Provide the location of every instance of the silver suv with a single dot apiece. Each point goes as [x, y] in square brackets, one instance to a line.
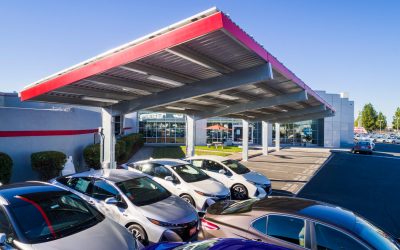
[149, 211]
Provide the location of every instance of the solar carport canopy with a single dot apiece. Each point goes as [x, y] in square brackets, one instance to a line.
[204, 66]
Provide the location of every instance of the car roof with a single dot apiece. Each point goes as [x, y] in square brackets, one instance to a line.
[311, 209]
[209, 157]
[164, 161]
[10, 191]
[113, 175]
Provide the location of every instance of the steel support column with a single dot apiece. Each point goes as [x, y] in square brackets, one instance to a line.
[277, 137]
[245, 140]
[190, 135]
[265, 135]
[108, 140]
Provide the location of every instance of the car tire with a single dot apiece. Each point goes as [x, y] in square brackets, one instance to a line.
[188, 199]
[239, 192]
[138, 233]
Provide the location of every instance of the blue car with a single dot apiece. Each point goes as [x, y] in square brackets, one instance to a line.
[216, 244]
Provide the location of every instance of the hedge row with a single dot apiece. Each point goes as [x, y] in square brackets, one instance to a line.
[6, 165]
[124, 149]
[48, 163]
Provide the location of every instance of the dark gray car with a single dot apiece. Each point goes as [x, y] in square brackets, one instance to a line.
[36, 215]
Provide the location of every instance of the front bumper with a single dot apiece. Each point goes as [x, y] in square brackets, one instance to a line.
[263, 191]
[184, 232]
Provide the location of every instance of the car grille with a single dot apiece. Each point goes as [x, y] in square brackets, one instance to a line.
[184, 229]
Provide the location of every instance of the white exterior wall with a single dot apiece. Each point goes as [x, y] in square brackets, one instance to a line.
[338, 130]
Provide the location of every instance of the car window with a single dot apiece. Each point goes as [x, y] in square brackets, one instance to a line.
[197, 163]
[102, 190]
[287, 228]
[161, 171]
[143, 191]
[328, 238]
[147, 168]
[260, 225]
[212, 166]
[80, 184]
[5, 227]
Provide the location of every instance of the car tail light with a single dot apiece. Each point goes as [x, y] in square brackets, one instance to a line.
[208, 225]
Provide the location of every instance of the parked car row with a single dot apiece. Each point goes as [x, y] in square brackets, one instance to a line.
[157, 201]
[378, 138]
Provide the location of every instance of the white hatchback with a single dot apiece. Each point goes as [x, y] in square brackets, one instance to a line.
[242, 182]
[184, 180]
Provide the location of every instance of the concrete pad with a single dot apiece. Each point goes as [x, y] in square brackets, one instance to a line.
[289, 169]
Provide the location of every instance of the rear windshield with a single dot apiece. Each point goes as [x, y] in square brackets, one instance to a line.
[376, 237]
[240, 206]
[49, 216]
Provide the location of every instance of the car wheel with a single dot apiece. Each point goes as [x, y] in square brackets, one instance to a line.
[239, 192]
[188, 199]
[138, 233]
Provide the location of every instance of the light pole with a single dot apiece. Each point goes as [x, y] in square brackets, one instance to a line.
[397, 123]
[380, 126]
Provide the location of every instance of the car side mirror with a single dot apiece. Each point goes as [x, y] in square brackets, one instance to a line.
[222, 171]
[112, 201]
[169, 178]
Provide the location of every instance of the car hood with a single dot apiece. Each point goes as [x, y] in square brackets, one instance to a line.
[172, 210]
[104, 235]
[210, 186]
[256, 178]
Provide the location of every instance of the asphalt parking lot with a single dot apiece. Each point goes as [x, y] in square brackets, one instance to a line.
[368, 185]
[289, 169]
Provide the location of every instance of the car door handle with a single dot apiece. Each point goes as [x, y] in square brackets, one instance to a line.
[90, 202]
[256, 239]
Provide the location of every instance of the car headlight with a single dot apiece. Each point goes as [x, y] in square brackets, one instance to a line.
[161, 223]
[205, 194]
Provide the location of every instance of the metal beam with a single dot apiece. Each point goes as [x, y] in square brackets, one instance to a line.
[245, 140]
[257, 104]
[199, 59]
[68, 100]
[124, 83]
[190, 135]
[199, 88]
[313, 116]
[289, 114]
[277, 137]
[97, 93]
[108, 143]
[265, 135]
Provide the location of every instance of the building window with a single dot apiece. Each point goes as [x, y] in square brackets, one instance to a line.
[118, 125]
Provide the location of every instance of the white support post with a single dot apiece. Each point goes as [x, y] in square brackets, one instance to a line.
[277, 137]
[190, 135]
[265, 135]
[245, 140]
[108, 145]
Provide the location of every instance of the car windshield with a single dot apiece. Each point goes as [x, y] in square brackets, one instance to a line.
[49, 216]
[190, 173]
[376, 237]
[236, 166]
[143, 191]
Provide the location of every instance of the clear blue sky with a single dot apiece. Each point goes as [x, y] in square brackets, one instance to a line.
[335, 46]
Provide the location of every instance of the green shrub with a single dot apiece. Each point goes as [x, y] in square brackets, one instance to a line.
[91, 155]
[48, 163]
[6, 164]
[124, 149]
[120, 149]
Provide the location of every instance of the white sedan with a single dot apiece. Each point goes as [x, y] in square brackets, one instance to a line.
[184, 180]
[242, 182]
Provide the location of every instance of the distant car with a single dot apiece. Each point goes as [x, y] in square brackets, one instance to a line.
[136, 202]
[242, 182]
[36, 215]
[362, 147]
[371, 141]
[217, 244]
[185, 180]
[294, 223]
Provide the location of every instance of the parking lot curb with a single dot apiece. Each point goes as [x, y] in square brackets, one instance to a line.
[316, 172]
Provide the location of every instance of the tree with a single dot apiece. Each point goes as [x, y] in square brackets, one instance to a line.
[356, 121]
[396, 119]
[381, 122]
[369, 117]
